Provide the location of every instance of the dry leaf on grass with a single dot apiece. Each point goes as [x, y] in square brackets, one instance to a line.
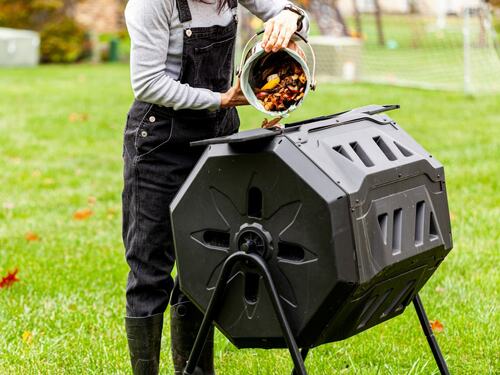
[78, 117]
[436, 326]
[48, 181]
[83, 214]
[9, 205]
[440, 289]
[91, 200]
[8, 280]
[32, 237]
[27, 337]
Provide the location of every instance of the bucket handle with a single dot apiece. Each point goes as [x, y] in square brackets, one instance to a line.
[246, 50]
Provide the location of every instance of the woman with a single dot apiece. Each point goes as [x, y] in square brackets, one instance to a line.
[181, 71]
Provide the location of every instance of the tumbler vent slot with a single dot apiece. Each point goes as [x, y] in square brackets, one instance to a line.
[255, 202]
[216, 238]
[397, 303]
[361, 154]
[433, 232]
[397, 231]
[419, 223]
[288, 251]
[341, 150]
[251, 287]
[384, 148]
[374, 306]
[382, 222]
[403, 150]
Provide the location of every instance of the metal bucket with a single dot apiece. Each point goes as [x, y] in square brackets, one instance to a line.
[252, 56]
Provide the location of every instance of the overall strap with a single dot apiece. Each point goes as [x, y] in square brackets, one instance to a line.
[184, 11]
[233, 4]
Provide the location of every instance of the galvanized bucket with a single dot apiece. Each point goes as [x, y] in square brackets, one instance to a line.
[252, 55]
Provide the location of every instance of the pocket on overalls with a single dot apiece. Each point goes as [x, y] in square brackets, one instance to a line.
[154, 132]
[213, 65]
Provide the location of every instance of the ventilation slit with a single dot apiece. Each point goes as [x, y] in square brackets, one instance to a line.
[397, 300]
[384, 148]
[361, 154]
[403, 150]
[397, 230]
[382, 222]
[288, 251]
[251, 287]
[419, 223]
[216, 238]
[433, 232]
[373, 309]
[255, 202]
[341, 150]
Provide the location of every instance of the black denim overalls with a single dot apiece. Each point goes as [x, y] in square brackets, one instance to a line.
[158, 158]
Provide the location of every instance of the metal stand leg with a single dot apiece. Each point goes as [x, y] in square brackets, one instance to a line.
[215, 305]
[303, 354]
[431, 339]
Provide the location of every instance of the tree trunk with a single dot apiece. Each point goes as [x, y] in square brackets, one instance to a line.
[328, 17]
[378, 18]
[357, 18]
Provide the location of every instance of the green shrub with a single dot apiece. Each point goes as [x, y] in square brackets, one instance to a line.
[62, 41]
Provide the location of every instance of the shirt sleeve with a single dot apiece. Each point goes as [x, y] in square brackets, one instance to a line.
[148, 25]
[267, 9]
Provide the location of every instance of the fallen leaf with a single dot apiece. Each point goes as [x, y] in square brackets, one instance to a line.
[27, 337]
[32, 237]
[48, 181]
[9, 205]
[91, 200]
[78, 117]
[36, 173]
[8, 280]
[436, 326]
[83, 214]
[440, 289]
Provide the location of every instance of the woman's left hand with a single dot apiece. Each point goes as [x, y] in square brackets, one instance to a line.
[279, 30]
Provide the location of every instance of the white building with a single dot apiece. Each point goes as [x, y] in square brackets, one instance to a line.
[19, 47]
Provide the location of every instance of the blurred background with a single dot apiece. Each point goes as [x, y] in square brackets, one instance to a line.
[65, 92]
[436, 44]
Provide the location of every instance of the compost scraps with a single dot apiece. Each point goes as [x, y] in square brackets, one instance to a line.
[279, 82]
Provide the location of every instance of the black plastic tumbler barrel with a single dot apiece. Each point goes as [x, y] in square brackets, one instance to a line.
[348, 211]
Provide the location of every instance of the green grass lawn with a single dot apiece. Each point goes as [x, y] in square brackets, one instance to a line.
[60, 151]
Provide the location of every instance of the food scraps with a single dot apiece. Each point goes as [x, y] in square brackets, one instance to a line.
[279, 82]
[273, 124]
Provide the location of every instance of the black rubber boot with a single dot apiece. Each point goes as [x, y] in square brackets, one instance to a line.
[185, 321]
[144, 342]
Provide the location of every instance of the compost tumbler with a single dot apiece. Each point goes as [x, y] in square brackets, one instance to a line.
[348, 213]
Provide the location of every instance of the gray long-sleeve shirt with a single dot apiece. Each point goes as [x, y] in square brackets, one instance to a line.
[157, 43]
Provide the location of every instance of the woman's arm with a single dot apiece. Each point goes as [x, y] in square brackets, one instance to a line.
[148, 26]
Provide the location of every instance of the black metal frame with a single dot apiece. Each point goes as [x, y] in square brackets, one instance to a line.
[298, 356]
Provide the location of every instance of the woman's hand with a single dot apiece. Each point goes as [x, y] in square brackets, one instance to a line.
[233, 97]
[279, 31]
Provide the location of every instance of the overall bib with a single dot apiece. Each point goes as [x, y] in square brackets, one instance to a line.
[157, 160]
